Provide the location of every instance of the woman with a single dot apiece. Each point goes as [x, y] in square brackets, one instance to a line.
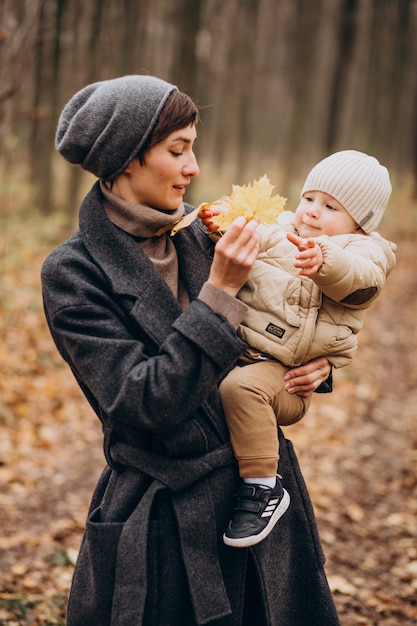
[147, 322]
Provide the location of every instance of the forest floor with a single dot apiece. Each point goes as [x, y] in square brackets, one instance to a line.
[357, 448]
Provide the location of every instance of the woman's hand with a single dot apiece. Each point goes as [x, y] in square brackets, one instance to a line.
[234, 256]
[306, 378]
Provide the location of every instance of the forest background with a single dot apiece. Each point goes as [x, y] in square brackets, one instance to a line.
[280, 84]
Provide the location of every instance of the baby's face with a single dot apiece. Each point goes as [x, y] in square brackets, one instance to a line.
[320, 214]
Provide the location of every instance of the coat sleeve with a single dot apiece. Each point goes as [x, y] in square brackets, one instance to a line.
[354, 270]
[154, 383]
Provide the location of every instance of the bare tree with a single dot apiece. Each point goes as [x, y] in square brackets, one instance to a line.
[280, 83]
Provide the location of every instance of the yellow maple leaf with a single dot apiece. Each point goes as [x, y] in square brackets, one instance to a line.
[252, 201]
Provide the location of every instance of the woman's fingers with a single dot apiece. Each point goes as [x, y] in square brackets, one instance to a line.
[306, 378]
[234, 255]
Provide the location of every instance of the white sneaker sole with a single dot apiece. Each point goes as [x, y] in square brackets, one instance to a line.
[247, 542]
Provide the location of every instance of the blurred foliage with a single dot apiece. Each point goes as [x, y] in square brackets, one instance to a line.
[280, 83]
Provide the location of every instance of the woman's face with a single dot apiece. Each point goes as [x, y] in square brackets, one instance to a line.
[161, 182]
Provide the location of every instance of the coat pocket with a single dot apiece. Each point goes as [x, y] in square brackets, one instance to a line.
[93, 582]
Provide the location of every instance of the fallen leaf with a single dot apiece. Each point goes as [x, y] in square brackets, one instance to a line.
[340, 584]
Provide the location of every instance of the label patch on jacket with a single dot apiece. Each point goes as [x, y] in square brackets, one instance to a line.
[277, 331]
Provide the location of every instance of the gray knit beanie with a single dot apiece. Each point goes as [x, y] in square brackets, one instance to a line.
[358, 181]
[104, 125]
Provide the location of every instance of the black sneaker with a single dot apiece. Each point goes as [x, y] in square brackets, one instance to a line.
[257, 510]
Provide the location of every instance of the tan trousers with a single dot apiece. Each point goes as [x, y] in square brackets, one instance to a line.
[255, 402]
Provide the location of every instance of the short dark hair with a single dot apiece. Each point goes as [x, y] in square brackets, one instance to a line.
[179, 111]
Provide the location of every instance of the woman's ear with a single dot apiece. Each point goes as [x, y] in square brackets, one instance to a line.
[128, 169]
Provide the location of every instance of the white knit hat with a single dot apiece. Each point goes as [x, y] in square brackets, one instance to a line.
[358, 181]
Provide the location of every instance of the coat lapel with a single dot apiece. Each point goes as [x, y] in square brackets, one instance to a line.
[195, 254]
[131, 273]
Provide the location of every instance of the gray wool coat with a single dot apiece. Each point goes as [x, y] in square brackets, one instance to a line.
[152, 552]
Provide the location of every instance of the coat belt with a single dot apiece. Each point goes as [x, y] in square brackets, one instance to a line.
[196, 531]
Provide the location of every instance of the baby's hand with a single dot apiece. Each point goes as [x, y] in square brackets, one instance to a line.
[207, 212]
[310, 257]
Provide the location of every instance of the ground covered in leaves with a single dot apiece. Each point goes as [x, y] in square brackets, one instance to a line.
[357, 449]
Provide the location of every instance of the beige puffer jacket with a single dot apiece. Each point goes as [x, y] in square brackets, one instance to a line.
[295, 318]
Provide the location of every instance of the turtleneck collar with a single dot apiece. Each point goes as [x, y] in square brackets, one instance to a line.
[136, 219]
[143, 223]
